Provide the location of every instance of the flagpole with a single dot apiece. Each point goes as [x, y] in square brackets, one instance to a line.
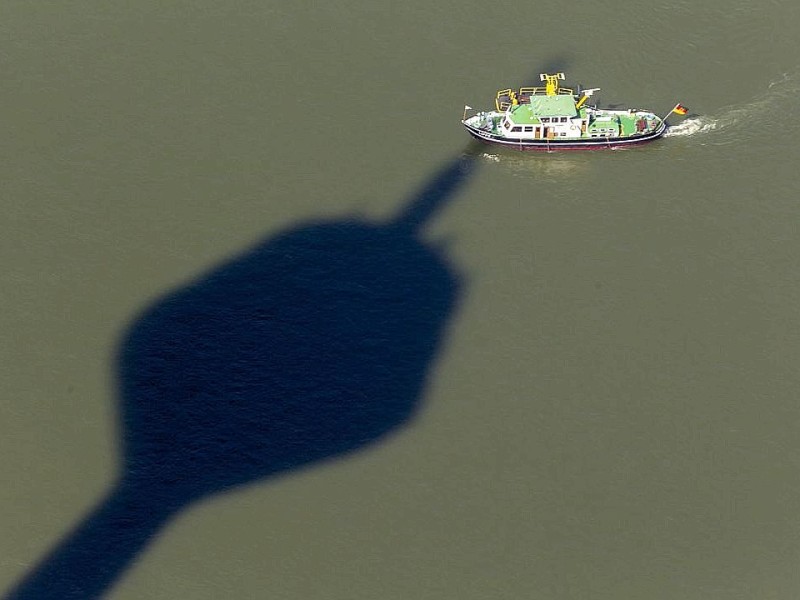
[664, 120]
[466, 108]
[674, 108]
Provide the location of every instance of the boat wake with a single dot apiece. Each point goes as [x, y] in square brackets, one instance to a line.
[762, 111]
[560, 168]
[691, 126]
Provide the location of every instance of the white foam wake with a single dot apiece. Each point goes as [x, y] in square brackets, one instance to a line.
[761, 112]
[691, 126]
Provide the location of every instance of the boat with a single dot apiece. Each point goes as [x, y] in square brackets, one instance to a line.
[553, 118]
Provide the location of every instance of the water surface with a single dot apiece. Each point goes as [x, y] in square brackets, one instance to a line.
[612, 412]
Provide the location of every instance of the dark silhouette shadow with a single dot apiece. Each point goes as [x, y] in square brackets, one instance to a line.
[313, 344]
[556, 64]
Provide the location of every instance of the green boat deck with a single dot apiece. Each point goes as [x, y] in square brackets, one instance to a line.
[551, 106]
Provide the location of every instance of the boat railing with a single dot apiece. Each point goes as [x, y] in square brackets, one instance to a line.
[505, 98]
[533, 91]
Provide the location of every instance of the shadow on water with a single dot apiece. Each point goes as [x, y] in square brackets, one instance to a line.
[313, 344]
[555, 64]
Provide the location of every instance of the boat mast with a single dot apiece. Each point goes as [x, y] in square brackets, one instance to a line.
[551, 85]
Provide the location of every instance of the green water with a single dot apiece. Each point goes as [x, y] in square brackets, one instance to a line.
[614, 413]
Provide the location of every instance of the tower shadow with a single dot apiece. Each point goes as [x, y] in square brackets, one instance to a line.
[313, 344]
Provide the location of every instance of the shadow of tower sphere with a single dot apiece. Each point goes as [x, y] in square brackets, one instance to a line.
[311, 345]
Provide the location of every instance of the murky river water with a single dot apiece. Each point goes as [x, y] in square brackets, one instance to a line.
[609, 407]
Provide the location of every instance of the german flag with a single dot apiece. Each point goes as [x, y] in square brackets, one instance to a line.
[680, 109]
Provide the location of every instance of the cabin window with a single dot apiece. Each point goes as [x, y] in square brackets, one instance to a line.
[563, 119]
[517, 129]
[506, 124]
[563, 133]
[545, 119]
[529, 129]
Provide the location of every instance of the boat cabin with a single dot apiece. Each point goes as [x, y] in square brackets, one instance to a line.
[604, 126]
[544, 117]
